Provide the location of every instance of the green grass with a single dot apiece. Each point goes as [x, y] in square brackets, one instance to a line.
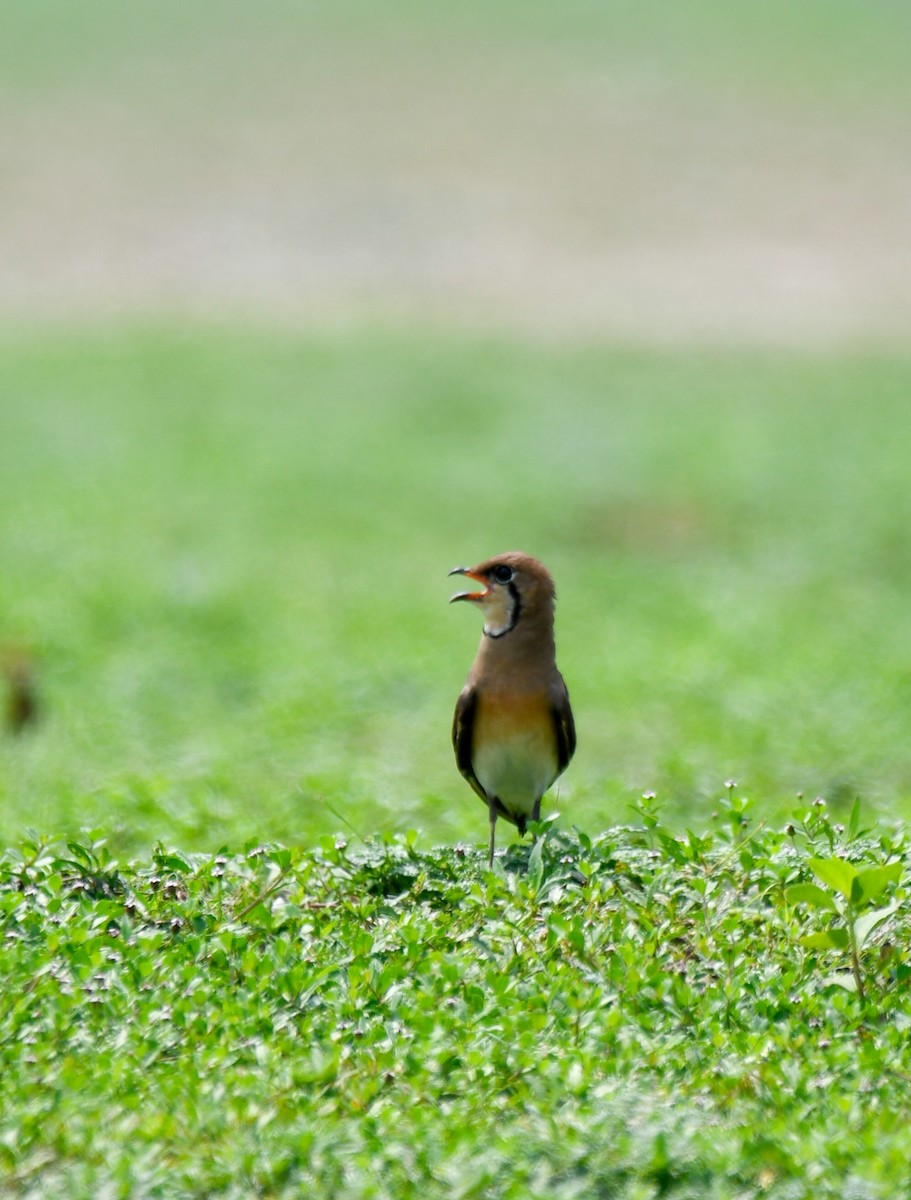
[635, 1015]
[228, 555]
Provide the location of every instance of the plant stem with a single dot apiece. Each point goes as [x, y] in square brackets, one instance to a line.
[264, 895]
[855, 958]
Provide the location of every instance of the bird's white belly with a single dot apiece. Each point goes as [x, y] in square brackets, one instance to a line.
[517, 770]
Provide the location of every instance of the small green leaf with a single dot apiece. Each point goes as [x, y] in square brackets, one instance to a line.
[536, 865]
[865, 925]
[873, 882]
[842, 979]
[854, 820]
[831, 939]
[810, 893]
[80, 853]
[172, 861]
[836, 873]
[660, 1157]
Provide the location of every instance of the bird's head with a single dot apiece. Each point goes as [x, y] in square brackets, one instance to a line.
[517, 588]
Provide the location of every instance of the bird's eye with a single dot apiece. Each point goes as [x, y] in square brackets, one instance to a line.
[502, 574]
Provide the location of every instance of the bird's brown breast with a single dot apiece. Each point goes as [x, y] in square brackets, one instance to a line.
[514, 747]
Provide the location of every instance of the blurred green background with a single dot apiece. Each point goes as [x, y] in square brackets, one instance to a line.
[303, 307]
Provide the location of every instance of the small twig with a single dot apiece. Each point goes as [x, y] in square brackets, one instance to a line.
[343, 819]
[743, 841]
[276, 883]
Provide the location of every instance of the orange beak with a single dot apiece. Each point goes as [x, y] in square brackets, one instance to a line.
[477, 597]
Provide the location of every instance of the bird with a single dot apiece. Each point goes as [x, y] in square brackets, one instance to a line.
[513, 731]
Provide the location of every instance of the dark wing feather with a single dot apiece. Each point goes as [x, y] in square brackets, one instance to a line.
[564, 728]
[463, 734]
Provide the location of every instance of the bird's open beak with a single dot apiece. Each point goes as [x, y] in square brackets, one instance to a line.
[476, 596]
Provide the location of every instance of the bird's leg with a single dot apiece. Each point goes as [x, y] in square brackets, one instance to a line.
[536, 816]
[492, 810]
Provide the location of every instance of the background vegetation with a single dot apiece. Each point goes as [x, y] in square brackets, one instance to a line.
[228, 554]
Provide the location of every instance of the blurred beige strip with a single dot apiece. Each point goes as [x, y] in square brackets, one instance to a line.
[343, 180]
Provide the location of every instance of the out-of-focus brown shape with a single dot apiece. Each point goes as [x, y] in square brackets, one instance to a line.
[22, 706]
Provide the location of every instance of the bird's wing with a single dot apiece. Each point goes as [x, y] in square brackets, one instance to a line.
[462, 735]
[564, 726]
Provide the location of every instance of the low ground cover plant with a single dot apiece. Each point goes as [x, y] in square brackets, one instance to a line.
[635, 1014]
